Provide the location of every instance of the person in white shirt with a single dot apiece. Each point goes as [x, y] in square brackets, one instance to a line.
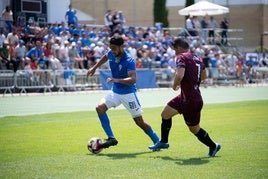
[20, 51]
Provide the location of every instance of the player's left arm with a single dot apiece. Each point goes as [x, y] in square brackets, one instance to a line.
[178, 77]
[131, 79]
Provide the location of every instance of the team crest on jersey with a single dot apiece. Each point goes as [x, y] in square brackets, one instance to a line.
[120, 67]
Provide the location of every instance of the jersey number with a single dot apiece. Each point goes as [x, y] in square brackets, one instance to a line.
[198, 71]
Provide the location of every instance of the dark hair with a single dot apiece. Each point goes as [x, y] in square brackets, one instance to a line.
[178, 42]
[117, 40]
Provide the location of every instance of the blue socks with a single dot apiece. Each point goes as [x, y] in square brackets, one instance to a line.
[105, 122]
[152, 135]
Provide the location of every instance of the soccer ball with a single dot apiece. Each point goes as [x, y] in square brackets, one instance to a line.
[94, 145]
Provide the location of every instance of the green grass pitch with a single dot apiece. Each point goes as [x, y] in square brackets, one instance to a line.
[54, 145]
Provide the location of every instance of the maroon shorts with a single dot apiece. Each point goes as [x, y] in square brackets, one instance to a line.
[190, 109]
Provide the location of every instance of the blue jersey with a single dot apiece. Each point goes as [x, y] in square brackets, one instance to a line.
[120, 69]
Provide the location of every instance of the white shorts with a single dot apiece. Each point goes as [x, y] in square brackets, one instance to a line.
[130, 101]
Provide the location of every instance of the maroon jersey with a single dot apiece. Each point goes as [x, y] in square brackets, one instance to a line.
[189, 102]
[192, 76]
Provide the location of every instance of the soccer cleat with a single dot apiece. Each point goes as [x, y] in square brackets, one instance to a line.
[212, 152]
[109, 142]
[159, 145]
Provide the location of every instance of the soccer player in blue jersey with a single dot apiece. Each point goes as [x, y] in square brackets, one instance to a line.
[123, 70]
[189, 74]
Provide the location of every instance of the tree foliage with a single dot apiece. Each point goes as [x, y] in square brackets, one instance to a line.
[161, 12]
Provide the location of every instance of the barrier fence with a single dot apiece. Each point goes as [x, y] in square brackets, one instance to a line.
[47, 80]
[24, 81]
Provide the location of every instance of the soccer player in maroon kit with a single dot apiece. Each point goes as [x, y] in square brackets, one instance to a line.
[190, 71]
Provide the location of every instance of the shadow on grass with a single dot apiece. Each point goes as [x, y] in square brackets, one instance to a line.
[190, 161]
[124, 155]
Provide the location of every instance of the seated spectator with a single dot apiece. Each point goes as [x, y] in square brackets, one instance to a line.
[146, 61]
[12, 37]
[20, 51]
[190, 26]
[63, 55]
[164, 64]
[263, 60]
[2, 37]
[75, 60]
[4, 56]
[35, 52]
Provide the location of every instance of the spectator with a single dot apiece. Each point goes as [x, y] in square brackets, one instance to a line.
[122, 19]
[2, 37]
[146, 60]
[12, 37]
[190, 26]
[85, 41]
[28, 69]
[63, 52]
[7, 16]
[197, 25]
[224, 28]
[4, 56]
[108, 19]
[230, 62]
[20, 52]
[204, 26]
[89, 59]
[212, 24]
[164, 64]
[74, 58]
[12, 57]
[70, 16]
[35, 52]
[263, 60]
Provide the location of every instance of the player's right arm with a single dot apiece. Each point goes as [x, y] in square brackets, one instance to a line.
[92, 70]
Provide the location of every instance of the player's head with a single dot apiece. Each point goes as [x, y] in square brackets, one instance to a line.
[116, 44]
[180, 45]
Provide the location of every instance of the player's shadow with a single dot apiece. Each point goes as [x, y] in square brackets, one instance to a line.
[178, 161]
[123, 155]
[190, 161]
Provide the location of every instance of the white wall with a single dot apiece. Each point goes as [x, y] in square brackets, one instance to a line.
[172, 3]
[56, 10]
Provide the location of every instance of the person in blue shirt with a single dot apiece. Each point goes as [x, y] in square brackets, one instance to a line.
[123, 77]
[35, 52]
[70, 16]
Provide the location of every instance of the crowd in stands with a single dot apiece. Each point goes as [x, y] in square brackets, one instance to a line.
[78, 46]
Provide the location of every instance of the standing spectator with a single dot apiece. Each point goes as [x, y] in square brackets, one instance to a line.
[224, 28]
[204, 26]
[197, 25]
[7, 16]
[122, 19]
[108, 19]
[70, 16]
[212, 24]
[190, 71]
[123, 77]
